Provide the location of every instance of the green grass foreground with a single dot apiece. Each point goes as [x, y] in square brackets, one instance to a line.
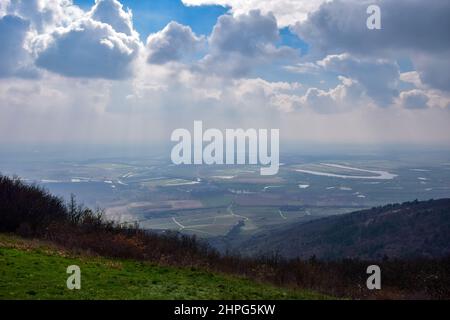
[31, 269]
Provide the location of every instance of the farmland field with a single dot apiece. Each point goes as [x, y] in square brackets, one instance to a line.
[228, 202]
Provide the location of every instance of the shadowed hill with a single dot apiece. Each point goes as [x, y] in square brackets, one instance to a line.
[408, 230]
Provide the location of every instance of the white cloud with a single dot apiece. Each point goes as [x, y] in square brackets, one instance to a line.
[280, 96]
[112, 13]
[21, 22]
[143, 109]
[412, 77]
[340, 25]
[15, 60]
[58, 36]
[45, 15]
[88, 48]
[237, 44]
[287, 12]
[4, 7]
[345, 97]
[304, 67]
[173, 43]
[435, 97]
[414, 99]
[410, 28]
[379, 77]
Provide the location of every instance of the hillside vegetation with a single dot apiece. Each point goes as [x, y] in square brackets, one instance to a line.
[409, 230]
[36, 270]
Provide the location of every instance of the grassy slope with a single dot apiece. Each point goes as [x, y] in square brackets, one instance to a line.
[35, 270]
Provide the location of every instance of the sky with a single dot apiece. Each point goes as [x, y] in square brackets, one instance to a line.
[110, 71]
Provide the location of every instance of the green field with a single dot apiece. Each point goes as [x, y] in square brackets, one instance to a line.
[36, 270]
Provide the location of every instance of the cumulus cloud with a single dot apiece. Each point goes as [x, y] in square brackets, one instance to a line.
[346, 96]
[279, 96]
[15, 60]
[44, 15]
[88, 48]
[4, 7]
[100, 44]
[58, 36]
[98, 111]
[173, 43]
[434, 69]
[414, 99]
[412, 77]
[112, 13]
[409, 28]
[289, 97]
[340, 25]
[435, 97]
[287, 12]
[239, 43]
[378, 77]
